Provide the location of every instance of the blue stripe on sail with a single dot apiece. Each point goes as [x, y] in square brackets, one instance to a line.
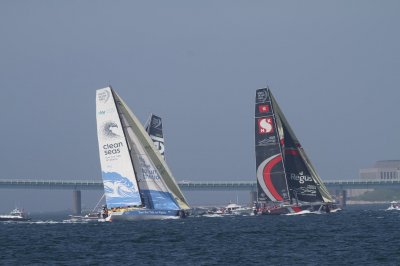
[120, 191]
[159, 200]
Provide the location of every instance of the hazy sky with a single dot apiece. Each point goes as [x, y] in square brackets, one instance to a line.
[333, 66]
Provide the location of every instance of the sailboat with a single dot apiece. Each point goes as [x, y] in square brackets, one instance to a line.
[287, 182]
[138, 185]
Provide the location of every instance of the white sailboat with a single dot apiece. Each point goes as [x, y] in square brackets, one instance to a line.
[138, 184]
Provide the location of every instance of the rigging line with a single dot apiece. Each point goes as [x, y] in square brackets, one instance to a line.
[95, 207]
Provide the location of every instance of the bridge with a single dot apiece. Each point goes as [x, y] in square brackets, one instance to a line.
[78, 185]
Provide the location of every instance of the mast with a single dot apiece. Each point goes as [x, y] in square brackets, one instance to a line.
[280, 137]
[126, 141]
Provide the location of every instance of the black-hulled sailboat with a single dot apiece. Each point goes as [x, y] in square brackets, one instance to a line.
[286, 180]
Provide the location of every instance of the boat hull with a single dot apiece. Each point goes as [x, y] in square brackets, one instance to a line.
[293, 209]
[138, 215]
[15, 219]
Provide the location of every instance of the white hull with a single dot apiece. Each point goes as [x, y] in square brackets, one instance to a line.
[144, 214]
[117, 218]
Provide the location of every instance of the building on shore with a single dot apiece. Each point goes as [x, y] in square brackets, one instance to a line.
[382, 170]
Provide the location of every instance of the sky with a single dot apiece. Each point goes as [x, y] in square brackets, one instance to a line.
[333, 66]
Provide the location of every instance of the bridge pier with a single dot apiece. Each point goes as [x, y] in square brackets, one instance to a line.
[344, 198]
[253, 197]
[341, 195]
[77, 202]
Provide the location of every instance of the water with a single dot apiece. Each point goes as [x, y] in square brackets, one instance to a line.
[359, 235]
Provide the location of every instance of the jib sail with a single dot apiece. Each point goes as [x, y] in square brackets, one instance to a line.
[156, 183]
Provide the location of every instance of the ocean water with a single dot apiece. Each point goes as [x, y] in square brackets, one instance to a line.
[361, 235]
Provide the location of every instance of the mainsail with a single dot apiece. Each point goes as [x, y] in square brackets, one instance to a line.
[284, 172]
[119, 178]
[155, 183]
[155, 131]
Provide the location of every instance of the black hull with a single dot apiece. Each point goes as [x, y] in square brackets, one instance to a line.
[14, 219]
[293, 209]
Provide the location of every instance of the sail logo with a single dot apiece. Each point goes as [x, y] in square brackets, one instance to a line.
[263, 108]
[148, 171]
[301, 178]
[107, 111]
[103, 96]
[156, 122]
[265, 125]
[113, 148]
[111, 130]
[268, 140]
[262, 96]
[158, 143]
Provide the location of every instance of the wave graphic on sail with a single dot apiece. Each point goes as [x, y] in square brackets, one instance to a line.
[119, 190]
[264, 177]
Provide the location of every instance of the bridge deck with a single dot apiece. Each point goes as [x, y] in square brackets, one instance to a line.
[185, 185]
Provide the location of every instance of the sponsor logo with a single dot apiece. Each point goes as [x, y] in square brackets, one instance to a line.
[108, 111]
[114, 148]
[310, 190]
[263, 108]
[262, 96]
[103, 96]
[148, 170]
[269, 140]
[156, 122]
[159, 143]
[265, 125]
[301, 178]
[110, 130]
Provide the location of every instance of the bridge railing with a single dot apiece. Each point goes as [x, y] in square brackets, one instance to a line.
[188, 185]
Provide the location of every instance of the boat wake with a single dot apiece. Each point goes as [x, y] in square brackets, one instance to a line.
[302, 213]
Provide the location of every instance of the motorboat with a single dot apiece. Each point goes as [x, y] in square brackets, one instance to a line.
[15, 215]
[231, 209]
[394, 205]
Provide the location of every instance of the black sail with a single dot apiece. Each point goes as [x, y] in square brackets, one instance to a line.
[271, 181]
[155, 131]
[304, 183]
[302, 186]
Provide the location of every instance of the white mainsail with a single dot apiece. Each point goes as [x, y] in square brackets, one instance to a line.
[120, 185]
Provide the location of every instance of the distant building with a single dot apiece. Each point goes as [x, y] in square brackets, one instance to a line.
[382, 170]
